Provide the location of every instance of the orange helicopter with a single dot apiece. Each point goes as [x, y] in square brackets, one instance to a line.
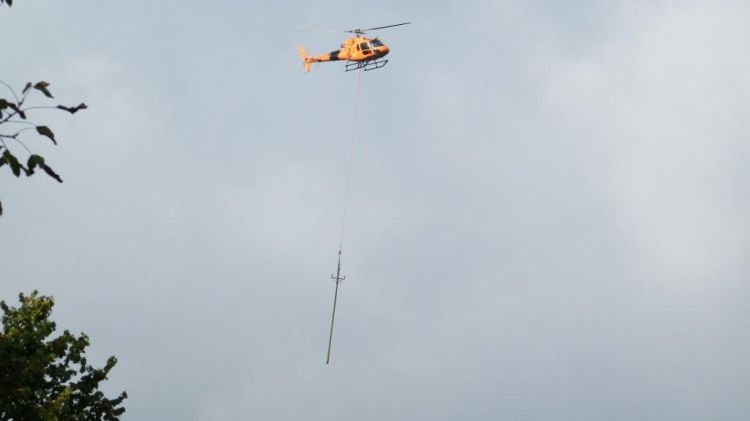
[360, 52]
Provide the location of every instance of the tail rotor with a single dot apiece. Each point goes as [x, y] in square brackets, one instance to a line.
[305, 58]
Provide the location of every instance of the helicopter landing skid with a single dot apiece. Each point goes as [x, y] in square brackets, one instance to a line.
[365, 65]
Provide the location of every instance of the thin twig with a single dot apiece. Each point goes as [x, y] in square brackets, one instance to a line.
[40, 107]
[13, 136]
[10, 115]
[24, 146]
[20, 122]
[12, 91]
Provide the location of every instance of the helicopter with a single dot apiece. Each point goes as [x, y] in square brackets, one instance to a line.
[360, 52]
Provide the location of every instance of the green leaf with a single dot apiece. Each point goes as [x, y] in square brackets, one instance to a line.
[15, 166]
[45, 131]
[4, 103]
[26, 88]
[50, 172]
[73, 110]
[35, 161]
[42, 87]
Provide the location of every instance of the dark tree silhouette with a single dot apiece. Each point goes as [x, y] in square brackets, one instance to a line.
[45, 378]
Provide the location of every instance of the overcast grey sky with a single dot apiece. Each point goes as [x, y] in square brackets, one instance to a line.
[547, 220]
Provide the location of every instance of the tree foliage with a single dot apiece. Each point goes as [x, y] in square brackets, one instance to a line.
[14, 122]
[44, 378]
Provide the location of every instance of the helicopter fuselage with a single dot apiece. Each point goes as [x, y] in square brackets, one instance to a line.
[358, 49]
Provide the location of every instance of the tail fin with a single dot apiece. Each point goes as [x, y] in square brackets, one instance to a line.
[305, 58]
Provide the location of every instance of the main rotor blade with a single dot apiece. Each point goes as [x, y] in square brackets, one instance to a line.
[383, 27]
[327, 31]
[362, 31]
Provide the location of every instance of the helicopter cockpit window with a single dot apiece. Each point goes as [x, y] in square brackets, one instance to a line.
[364, 46]
[376, 43]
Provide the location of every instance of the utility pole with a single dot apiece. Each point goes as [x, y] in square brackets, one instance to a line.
[338, 278]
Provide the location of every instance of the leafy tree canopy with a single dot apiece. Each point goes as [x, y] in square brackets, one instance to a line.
[45, 378]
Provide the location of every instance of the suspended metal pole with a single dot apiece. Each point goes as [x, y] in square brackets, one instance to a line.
[338, 278]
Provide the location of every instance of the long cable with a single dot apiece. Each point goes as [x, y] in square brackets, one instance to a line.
[338, 278]
[351, 155]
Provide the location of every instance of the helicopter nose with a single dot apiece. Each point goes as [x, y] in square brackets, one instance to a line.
[384, 50]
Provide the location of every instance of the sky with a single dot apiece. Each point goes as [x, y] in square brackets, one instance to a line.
[547, 216]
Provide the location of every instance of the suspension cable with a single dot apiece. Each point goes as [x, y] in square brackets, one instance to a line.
[349, 166]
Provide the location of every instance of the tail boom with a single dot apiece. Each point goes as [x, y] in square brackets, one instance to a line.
[308, 61]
